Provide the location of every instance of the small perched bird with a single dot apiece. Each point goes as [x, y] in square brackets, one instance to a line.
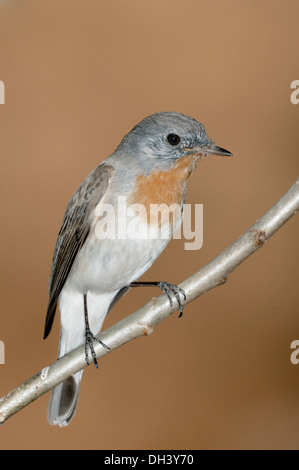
[91, 271]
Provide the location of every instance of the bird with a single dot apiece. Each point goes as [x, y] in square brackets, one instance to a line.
[92, 271]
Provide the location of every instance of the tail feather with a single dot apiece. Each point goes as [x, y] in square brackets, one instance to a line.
[64, 400]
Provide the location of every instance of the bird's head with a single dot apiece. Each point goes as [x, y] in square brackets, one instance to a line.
[161, 139]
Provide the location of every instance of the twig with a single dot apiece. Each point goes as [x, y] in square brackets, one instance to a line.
[155, 311]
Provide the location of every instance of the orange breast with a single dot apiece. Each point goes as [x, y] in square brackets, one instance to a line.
[164, 187]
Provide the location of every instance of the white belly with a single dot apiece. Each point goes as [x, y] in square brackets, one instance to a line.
[107, 264]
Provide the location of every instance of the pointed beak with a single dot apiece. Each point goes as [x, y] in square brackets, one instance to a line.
[218, 151]
[210, 149]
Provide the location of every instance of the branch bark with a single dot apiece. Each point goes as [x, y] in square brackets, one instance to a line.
[158, 309]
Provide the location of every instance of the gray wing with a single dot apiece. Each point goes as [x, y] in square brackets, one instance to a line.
[73, 233]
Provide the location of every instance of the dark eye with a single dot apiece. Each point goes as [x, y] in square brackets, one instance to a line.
[173, 139]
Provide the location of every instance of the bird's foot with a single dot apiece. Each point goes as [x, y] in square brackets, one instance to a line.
[89, 339]
[167, 288]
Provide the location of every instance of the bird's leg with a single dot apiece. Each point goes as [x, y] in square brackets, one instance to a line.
[166, 288]
[89, 337]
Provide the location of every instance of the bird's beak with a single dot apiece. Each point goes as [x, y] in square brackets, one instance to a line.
[218, 151]
[211, 149]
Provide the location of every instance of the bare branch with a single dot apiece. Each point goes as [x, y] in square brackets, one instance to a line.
[156, 310]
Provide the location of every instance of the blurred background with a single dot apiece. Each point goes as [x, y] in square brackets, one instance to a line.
[79, 75]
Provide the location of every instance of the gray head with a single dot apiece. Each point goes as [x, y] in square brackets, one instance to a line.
[161, 139]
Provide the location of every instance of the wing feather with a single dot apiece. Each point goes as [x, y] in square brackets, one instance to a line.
[74, 232]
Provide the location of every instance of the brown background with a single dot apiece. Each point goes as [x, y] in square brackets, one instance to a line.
[79, 74]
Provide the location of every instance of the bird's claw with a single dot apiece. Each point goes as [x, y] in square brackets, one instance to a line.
[89, 339]
[166, 288]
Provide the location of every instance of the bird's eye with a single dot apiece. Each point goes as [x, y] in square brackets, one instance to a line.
[173, 139]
